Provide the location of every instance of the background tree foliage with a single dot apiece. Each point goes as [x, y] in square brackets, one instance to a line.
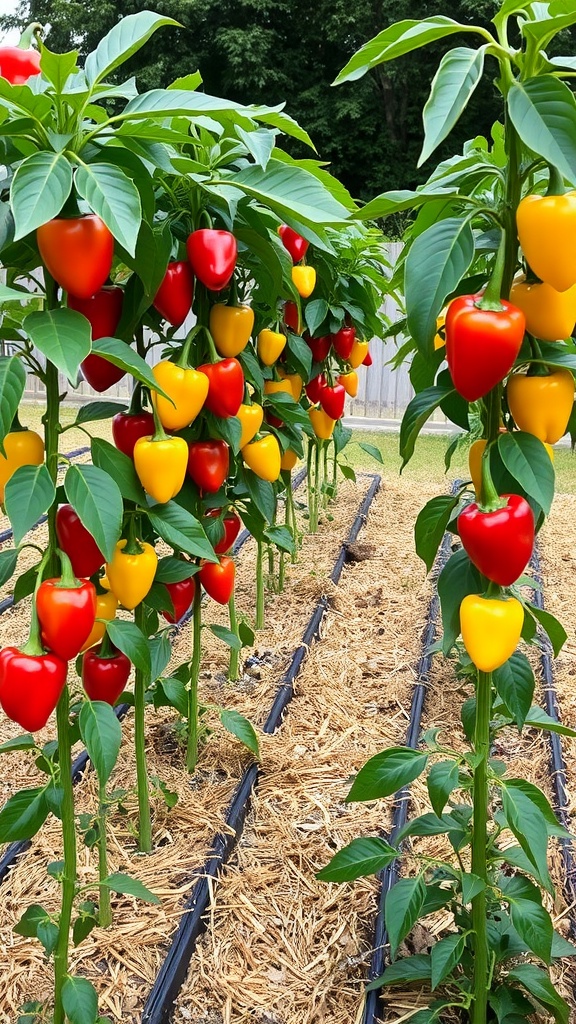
[291, 50]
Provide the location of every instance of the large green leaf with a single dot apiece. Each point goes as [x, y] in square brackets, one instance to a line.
[364, 856]
[397, 39]
[102, 734]
[181, 530]
[119, 353]
[537, 983]
[527, 460]
[79, 1000]
[445, 955]
[29, 494]
[291, 192]
[402, 909]
[124, 884]
[386, 773]
[63, 336]
[526, 820]
[418, 410]
[129, 639]
[394, 202]
[514, 682]
[404, 971]
[40, 187]
[23, 815]
[442, 780]
[96, 497]
[457, 76]
[120, 467]
[543, 112]
[114, 197]
[534, 926]
[561, 14]
[161, 103]
[12, 384]
[435, 265]
[430, 526]
[122, 42]
[241, 728]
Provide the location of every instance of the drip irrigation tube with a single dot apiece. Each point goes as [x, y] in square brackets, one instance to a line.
[15, 850]
[160, 1002]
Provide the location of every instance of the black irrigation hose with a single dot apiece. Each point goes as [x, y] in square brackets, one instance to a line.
[389, 876]
[15, 850]
[557, 762]
[160, 1002]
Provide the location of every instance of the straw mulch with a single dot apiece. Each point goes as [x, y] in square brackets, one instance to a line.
[124, 962]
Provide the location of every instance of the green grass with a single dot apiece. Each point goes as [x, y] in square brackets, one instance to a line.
[427, 463]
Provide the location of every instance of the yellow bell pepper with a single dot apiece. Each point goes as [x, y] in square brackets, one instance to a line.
[439, 340]
[304, 278]
[131, 573]
[546, 231]
[231, 327]
[491, 629]
[288, 460]
[475, 464]
[322, 424]
[358, 354]
[188, 390]
[272, 387]
[106, 605]
[161, 464]
[251, 417]
[541, 405]
[550, 315]
[23, 448]
[296, 383]
[349, 382]
[270, 345]
[263, 457]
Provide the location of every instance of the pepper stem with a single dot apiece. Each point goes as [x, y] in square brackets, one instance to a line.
[133, 545]
[490, 500]
[33, 645]
[135, 406]
[159, 432]
[144, 822]
[68, 580]
[555, 182]
[491, 296]
[184, 354]
[31, 32]
[192, 746]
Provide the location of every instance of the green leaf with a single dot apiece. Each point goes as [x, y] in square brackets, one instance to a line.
[405, 971]
[527, 460]
[125, 885]
[40, 187]
[123, 40]
[98, 411]
[95, 496]
[23, 815]
[561, 947]
[227, 636]
[153, 249]
[347, 471]
[418, 410]
[31, 918]
[82, 928]
[514, 682]
[241, 728]
[386, 773]
[24, 742]
[12, 384]
[47, 936]
[291, 192]
[300, 355]
[528, 823]
[315, 313]
[160, 654]
[111, 194]
[534, 926]
[181, 530]
[372, 450]
[8, 560]
[543, 111]
[551, 626]
[281, 537]
[402, 909]
[538, 719]
[80, 1001]
[397, 39]
[444, 957]
[395, 202]
[365, 856]
[538, 984]
[259, 143]
[176, 694]
[437, 261]
[28, 495]
[457, 579]
[174, 570]
[262, 494]
[129, 639]
[442, 780]
[102, 734]
[457, 76]
[13, 294]
[471, 886]
[63, 336]
[246, 634]
[430, 526]
[120, 467]
[57, 67]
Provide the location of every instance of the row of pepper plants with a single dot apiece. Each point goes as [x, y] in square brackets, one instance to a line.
[489, 277]
[129, 215]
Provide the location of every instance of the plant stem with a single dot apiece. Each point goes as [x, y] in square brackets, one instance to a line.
[192, 749]
[325, 497]
[335, 471]
[291, 522]
[479, 844]
[259, 624]
[144, 825]
[310, 482]
[105, 908]
[234, 655]
[69, 851]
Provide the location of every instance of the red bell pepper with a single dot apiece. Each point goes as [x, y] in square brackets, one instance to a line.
[66, 609]
[174, 297]
[482, 343]
[208, 464]
[343, 341]
[226, 387]
[30, 686]
[217, 578]
[315, 387]
[182, 596]
[104, 675]
[128, 427]
[21, 62]
[319, 347]
[212, 256]
[75, 540]
[332, 400]
[293, 243]
[231, 524]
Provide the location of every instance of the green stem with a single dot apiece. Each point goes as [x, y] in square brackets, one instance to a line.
[325, 495]
[310, 481]
[233, 663]
[105, 909]
[144, 826]
[335, 472]
[69, 851]
[291, 517]
[51, 420]
[314, 523]
[479, 845]
[192, 749]
[259, 585]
